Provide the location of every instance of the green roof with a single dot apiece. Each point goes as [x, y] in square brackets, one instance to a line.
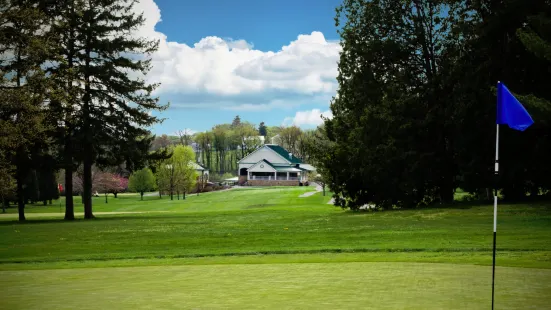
[284, 153]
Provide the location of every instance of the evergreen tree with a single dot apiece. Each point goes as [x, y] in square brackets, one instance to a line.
[24, 46]
[390, 118]
[236, 122]
[504, 45]
[106, 109]
[262, 130]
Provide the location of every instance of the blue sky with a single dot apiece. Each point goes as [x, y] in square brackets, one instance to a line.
[220, 58]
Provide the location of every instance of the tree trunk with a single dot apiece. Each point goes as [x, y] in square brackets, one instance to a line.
[20, 190]
[87, 129]
[446, 191]
[160, 194]
[323, 186]
[87, 184]
[184, 195]
[178, 194]
[50, 202]
[68, 147]
[141, 195]
[69, 204]
[45, 202]
[115, 194]
[105, 197]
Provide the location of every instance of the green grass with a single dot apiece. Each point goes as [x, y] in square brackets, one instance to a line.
[266, 247]
[269, 221]
[288, 286]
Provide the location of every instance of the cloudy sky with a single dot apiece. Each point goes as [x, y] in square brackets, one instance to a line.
[270, 61]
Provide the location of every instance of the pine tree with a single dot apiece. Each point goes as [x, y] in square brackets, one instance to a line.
[24, 46]
[262, 130]
[105, 109]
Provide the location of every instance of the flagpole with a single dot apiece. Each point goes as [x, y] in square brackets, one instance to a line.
[495, 211]
[496, 179]
[511, 112]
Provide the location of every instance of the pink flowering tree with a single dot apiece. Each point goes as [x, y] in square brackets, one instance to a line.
[106, 183]
[122, 185]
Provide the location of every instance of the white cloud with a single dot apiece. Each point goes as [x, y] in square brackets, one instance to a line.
[229, 68]
[307, 118]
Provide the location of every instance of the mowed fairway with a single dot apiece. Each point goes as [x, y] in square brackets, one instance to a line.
[268, 248]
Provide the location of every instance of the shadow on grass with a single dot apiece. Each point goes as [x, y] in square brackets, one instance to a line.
[273, 252]
[456, 205]
[100, 218]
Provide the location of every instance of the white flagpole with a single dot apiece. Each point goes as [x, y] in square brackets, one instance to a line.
[495, 209]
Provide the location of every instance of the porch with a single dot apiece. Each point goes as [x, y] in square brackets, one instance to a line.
[276, 176]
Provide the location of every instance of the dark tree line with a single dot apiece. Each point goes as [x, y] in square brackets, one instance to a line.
[67, 95]
[414, 117]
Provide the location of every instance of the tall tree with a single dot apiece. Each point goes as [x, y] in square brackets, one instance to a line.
[504, 45]
[183, 159]
[290, 137]
[247, 137]
[262, 129]
[113, 105]
[186, 136]
[236, 121]
[389, 116]
[24, 46]
[220, 143]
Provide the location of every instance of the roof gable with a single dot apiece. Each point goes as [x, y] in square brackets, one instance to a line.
[284, 153]
[262, 162]
[262, 153]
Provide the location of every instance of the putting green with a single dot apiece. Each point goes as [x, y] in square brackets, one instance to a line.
[278, 286]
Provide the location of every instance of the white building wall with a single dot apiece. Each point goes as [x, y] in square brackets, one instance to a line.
[259, 168]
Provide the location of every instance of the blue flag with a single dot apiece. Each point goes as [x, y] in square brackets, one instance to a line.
[510, 111]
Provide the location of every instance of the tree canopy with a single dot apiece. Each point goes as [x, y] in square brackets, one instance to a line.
[142, 181]
[414, 115]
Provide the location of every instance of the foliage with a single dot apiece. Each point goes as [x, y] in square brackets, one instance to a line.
[101, 74]
[106, 182]
[289, 137]
[141, 181]
[177, 173]
[262, 129]
[236, 122]
[507, 45]
[185, 136]
[183, 159]
[120, 186]
[414, 116]
[159, 142]
[24, 90]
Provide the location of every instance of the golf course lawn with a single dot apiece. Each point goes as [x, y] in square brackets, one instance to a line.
[269, 248]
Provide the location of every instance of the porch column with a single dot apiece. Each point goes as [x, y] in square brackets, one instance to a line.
[275, 176]
[287, 176]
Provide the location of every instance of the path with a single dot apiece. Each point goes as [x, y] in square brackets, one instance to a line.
[308, 194]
